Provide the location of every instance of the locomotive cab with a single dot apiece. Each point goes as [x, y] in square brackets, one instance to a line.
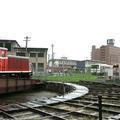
[3, 59]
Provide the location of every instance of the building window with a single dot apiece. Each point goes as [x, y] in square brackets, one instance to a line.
[20, 54]
[40, 67]
[33, 67]
[40, 54]
[32, 54]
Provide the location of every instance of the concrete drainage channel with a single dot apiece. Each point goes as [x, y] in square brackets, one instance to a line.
[40, 109]
[68, 91]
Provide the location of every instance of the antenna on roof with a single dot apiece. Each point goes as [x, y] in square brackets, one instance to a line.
[110, 42]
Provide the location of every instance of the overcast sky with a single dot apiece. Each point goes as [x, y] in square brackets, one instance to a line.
[73, 26]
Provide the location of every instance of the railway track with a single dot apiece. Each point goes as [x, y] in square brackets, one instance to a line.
[83, 108]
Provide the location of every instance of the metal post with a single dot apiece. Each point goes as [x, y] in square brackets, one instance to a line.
[100, 106]
[63, 89]
[16, 83]
[7, 83]
[24, 84]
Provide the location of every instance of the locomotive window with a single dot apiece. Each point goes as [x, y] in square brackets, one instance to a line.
[3, 54]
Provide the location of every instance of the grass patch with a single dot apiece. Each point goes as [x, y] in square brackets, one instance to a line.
[69, 78]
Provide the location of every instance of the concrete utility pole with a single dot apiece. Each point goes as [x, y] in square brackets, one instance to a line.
[26, 40]
[52, 57]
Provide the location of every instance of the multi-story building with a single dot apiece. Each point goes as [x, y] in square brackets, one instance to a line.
[38, 57]
[62, 65]
[108, 54]
[85, 65]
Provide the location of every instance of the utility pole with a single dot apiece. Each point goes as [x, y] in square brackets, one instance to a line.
[26, 40]
[52, 57]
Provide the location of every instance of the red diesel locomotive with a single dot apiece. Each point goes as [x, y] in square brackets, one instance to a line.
[10, 65]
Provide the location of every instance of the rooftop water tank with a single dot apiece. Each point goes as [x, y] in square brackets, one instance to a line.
[110, 42]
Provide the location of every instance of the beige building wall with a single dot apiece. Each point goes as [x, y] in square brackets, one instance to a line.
[39, 60]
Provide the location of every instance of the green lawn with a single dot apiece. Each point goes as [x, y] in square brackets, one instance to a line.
[69, 78]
